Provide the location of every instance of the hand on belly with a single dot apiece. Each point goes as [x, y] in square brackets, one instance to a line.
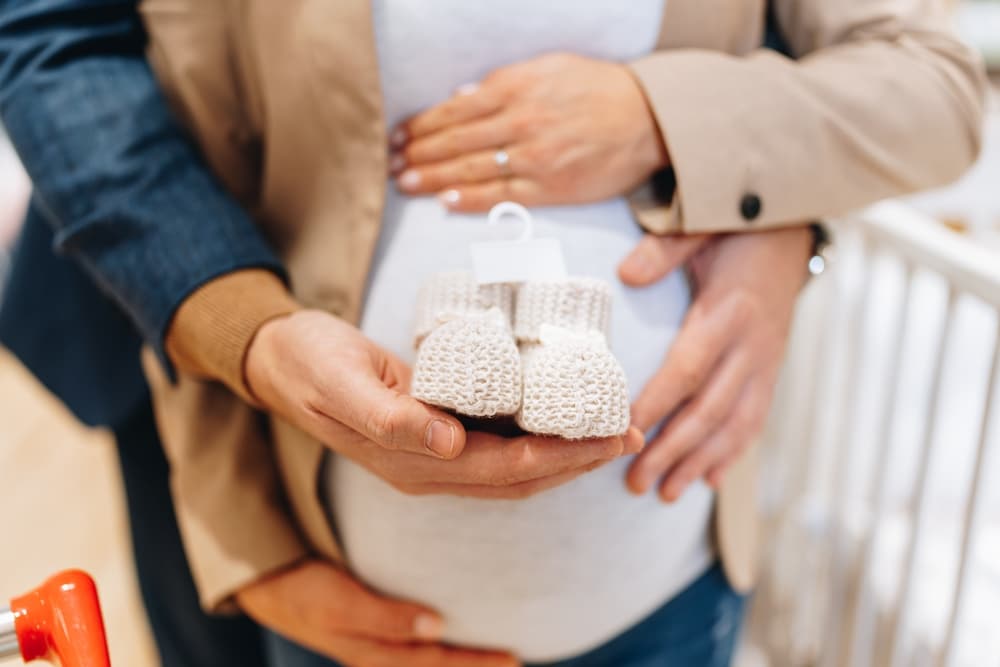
[562, 142]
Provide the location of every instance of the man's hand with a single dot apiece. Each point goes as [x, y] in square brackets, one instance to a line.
[718, 377]
[322, 374]
[325, 377]
[574, 129]
[322, 608]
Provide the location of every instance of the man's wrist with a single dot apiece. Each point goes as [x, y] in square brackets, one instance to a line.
[214, 327]
[255, 367]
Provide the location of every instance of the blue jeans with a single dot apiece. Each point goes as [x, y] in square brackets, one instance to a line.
[698, 627]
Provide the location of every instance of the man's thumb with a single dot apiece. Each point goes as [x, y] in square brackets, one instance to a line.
[656, 256]
[397, 421]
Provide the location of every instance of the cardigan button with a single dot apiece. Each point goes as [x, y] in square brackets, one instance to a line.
[750, 207]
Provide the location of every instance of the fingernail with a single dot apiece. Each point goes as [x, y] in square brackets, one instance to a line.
[398, 137]
[634, 441]
[409, 180]
[641, 263]
[635, 489]
[397, 163]
[440, 438]
[450, 197]
[674, 490]
[467, 89]
[427, 626]
[640, 484]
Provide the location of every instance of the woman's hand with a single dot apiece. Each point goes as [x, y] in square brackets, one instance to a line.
[720, 372]
[322, 608]
[325, 377]
[574, 130]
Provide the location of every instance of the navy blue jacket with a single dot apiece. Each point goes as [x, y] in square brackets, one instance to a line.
[126, 219]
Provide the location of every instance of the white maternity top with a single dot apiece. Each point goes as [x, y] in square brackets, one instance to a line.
[560, 573]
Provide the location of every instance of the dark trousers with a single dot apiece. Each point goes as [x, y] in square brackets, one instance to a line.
[185, 636]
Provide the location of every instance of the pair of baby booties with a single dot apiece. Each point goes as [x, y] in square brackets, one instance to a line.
[536, 351]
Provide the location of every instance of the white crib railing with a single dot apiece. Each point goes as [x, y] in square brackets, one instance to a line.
[863, 566]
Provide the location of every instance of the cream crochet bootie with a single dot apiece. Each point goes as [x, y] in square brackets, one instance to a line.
[467, 360]
[573, 385]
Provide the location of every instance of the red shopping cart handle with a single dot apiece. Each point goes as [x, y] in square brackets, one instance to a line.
[60, 621]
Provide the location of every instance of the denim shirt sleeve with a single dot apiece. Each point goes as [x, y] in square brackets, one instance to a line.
[128, 194]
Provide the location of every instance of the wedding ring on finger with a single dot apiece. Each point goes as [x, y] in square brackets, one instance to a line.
[502, 160]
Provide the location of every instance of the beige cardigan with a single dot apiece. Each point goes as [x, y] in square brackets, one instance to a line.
[284, 100]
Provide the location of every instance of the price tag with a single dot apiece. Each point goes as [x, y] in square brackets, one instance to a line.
[520, 260]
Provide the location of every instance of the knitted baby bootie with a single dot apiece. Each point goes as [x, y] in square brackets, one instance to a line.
[467, 360]
[573, 385]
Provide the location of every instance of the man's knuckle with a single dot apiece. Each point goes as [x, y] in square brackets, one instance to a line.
[321, 388]
[743, 306]
[689, 375]
[311, 405]
[711, 414]
[516, 456]
[688, 470]
[697, 433]
[382, 425]
[317, 406]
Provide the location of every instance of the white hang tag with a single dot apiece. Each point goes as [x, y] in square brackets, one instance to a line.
[520, 260]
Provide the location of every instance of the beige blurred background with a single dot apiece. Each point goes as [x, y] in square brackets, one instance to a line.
[64, 509]
[62, 492]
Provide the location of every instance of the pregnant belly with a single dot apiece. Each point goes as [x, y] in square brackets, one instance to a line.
[554, 575]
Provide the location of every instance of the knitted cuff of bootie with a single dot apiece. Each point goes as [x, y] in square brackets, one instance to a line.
[577, 304]
[455, 293]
